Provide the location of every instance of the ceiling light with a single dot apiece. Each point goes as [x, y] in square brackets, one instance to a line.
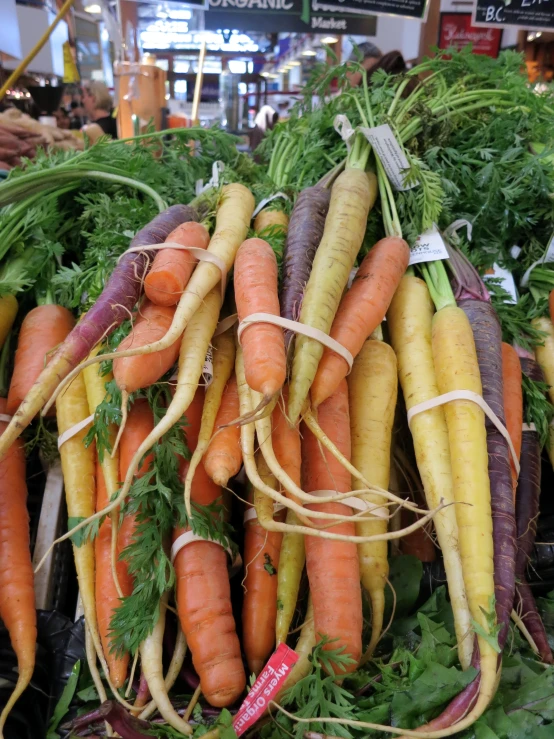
[309, 52]
[92, 8]
[538, 34]
[294, 64]
[329, 40]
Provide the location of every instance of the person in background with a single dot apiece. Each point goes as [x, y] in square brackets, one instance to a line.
[265, 120]
[373, 59]
[62, 118]
[76, 115]
[97, 103]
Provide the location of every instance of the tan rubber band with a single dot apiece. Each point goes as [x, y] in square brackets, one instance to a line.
[250, 514]
[427, 405]
[358, 503]
[188, 537]
[225, 324]
[74, 430]
[5, 417]
[528, 427]
[298, 328]
[203, 255]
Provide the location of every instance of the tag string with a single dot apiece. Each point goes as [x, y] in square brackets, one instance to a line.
[4, 417]
[427, 405]
[74, 430]
[188, 537]
[251, 513]
[298, 328]
[358, 503]
[265, 201]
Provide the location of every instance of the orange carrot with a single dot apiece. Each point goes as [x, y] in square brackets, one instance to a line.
[172, 268]
[204, 594]
[259, 608]
[17, 596]
[419, 544]
[107, 598]
[513, 401]
[361, 310]
[132, 373]
[42, 330]
[263, 344]
[223, 458]
[286, 440]
[333, 569]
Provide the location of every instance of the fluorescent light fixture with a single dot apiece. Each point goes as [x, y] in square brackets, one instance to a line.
[93, 8]
[309, 52]
[329, 40]
[295, 63]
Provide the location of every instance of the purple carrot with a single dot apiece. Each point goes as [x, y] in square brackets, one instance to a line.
[114, 305]
[305, 230]
[472, 296]
[527, 511]
[127, 726]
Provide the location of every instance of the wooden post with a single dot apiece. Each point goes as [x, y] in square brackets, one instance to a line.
[198, 85]
[430, 30]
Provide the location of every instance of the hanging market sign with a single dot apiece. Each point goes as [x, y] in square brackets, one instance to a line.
[288, 16]
[405, 8]
[529, 14]
[456, 31]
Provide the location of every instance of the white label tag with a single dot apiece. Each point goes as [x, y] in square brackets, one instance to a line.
[208, 367]
[429, 247]
[506, 281]
[389, 151]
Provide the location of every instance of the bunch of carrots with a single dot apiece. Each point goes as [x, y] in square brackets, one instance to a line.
[293, 377]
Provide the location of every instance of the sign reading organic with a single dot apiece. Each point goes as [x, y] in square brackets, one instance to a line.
[405, 8]
[292, 16]
[456, 32]
[529, 14]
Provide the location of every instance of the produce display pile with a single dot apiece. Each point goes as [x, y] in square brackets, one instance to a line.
[282, 391]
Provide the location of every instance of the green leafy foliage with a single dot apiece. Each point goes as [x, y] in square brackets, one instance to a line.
[537, 408]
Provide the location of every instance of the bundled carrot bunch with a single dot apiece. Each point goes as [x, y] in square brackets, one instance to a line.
[213, 347]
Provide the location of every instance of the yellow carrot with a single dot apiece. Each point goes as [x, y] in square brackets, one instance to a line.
[545, 358]
[8, 312]
[291, 566]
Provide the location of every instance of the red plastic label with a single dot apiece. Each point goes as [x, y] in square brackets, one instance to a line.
[269, 682]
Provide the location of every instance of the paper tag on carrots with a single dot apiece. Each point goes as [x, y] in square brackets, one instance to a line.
[429, 247]
[386, 147]
[208, 367]
[505, 280]
[268, 684]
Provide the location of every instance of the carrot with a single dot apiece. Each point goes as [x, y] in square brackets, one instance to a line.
[172, 268]
[410, 325]
[223, 458]
[107, 596]
[352, 197]
[287, 447]
[119, 296]
[304, 647]
[261, 559]
[361, 310]
[171, 676]
[333, 569]
[42, 330]
[8, 312]
[545, 357]
[419, 544]
[372, 390]
[223, 362]
[204, 597]
[133, 373]
[513, 401]
[255, 281]
[17, 595]
[271, 219]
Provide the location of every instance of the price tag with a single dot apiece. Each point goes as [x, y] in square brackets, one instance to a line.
[429, 247]
[269, 683]
[208, 367]
[506, 281]
[389, 151]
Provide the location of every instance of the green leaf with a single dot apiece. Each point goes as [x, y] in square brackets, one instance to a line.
[79, 537]
[437, 644]
[404, 577]
[268, 566]
[64, 702]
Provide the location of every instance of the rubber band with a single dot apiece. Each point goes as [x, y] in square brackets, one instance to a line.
[251, 513]
[427, 405]
[189, 536]
[203, 255]
[225, 324]
[265, 201]
[298, 328]
[74, 430]
[528, 427]
[5, 417]
[358, 503]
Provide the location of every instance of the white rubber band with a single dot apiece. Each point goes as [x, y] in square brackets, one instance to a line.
[298, 328]
[265, 201]
[358, 503]
[188, 537]
[250, 513]
[528, 427]
[5, 417]
[203, 255]
[427, 405]
[74, 430]
[225, 324]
